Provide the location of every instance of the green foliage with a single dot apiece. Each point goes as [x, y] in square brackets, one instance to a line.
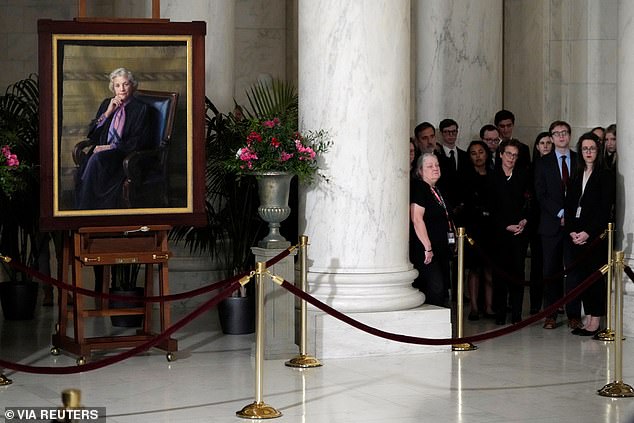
[233, 224]
[19, 212]
[278, 99]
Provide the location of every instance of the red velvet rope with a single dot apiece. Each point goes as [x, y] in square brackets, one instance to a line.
[227, 287]
[504, 274]
[443, 341]
[151, 299]
[207, 305]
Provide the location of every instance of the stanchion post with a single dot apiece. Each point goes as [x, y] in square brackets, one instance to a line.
[607, 334]
[466, 346]
[4, 381]
[258, 409]
[618, 388]
[303, 360]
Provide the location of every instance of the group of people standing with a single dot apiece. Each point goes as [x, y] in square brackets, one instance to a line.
[558, 202]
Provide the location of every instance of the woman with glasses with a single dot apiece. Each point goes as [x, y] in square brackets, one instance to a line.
[510, 202]
[587, 212]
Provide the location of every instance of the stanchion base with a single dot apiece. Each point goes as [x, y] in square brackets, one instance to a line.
[303, 361]
[605, 335]
[467, 346]
[616, 389]
[258, 410]
[5, 381]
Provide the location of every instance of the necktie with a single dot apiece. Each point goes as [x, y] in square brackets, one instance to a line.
[564, 173]
[116, 127]
[452, 158]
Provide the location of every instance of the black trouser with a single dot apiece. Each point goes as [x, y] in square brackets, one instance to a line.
[553, 258]
[511, 255]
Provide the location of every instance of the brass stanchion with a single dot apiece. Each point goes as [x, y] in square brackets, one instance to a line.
[71, 400]
[618, 388]
[607, 334]
[303, 360]
[466, 346]
[4, 381]
[258, 409]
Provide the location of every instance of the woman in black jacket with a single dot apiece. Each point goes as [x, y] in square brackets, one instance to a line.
[510, 196]
[586, 215]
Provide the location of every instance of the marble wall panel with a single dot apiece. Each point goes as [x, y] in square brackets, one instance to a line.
[590, 61]
[260, 53]
[260, 14]
[524, 70]
[459, 62]
[593, 19]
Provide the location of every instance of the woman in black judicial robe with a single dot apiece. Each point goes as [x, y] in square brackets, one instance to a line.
[101, 176]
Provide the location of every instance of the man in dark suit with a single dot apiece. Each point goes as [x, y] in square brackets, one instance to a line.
[454, 164]
[552, 173]
[505, 122]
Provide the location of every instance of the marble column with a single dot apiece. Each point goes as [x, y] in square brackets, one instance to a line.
[354, 82]
[219, 43]
[458, 56]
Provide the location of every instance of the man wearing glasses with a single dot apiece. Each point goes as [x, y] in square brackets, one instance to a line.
[454, 163]
[552, 173]
[491, 137]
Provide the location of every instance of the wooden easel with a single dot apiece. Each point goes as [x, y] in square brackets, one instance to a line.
[107, 246]
[156, 14]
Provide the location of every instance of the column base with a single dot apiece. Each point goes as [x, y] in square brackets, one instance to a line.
[330, 338]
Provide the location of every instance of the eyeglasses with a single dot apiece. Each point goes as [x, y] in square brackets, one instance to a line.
[492, 140]
[450, 131]
[510, 155]
[588, 149]
[559, 133]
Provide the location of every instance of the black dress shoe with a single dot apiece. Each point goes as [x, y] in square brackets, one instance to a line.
[500, 320]
[577, 331]
[584, 332]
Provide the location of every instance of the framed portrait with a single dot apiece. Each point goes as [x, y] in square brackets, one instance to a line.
[121, 123]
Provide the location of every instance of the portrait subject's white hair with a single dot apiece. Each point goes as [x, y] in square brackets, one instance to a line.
[123, 72]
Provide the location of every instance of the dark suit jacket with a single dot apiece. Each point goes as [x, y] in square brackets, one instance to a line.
[596, 203]
[452, 180]
[549, 193]
[136, 130]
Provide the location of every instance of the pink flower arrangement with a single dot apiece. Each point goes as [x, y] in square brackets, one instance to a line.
[274, 145]
[10, 172]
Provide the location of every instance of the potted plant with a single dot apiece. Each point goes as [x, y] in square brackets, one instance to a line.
[232, 222]
[20, 238]
[259, 138]
[124, 282]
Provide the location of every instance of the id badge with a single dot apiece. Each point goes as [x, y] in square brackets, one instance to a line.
[578, 215]
[451, 238]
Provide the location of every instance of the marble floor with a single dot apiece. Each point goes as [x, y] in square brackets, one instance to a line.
[532, 375]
